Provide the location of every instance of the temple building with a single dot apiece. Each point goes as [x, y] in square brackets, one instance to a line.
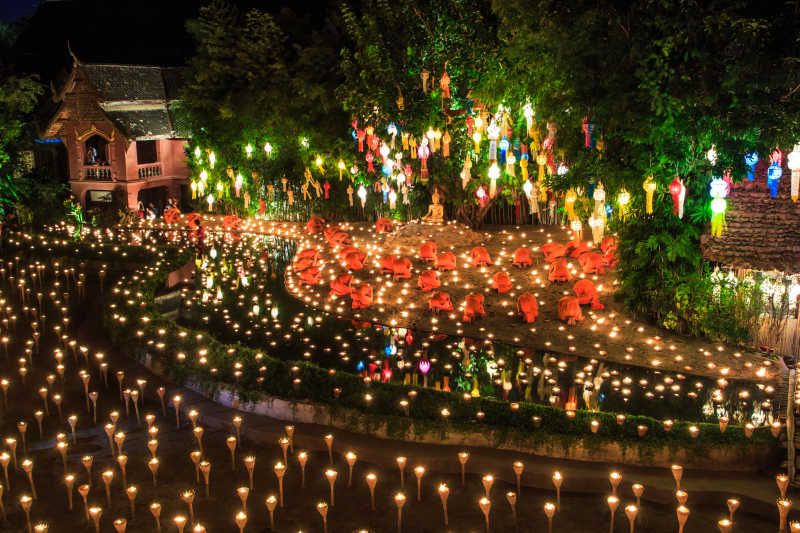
[120, 135]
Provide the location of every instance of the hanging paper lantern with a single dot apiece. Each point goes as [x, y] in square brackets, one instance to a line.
[268, 149]
[597, 222]
[527, 111]
[392, 199]
[599, 196]
[340, 166]
[392, 130]
[774, 172]
[194, 189]
[481, 194]
[210, 200]
[248, 150]
[494, 173]
[493, 132]
[476, 138]
[424, 75]
[444, 85]
[503, 145]
[446, 144]
[362, 194]
[465, 172]
[588, 128]
[569, 203]
[711, 155]
[423, 153]
[370, 158]
[212, 159]
[197, 153]
[678, 191]
[577, 229]
[719, 191]
[623, 200]
[750, 161]
[794, 165]
[649, 188]
[541, 160]
[237, 185]
[523, 165]
[511, 160]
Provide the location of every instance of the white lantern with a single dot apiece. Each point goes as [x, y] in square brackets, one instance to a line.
[711, 155]
[248, 150]
[494, 173]
[794, 165]
[362, 193]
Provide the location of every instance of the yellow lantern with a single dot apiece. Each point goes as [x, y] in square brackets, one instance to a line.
[476, 138]
[340, 165]
[649, 188]
[623, 199]
[569, 203]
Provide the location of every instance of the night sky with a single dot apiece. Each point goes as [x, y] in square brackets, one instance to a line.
[11, 10]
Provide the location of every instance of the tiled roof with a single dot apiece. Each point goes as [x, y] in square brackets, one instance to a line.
[130, 83]
[141, 124]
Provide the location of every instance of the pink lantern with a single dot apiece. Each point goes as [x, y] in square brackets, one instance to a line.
[481, 194]
[424, 366]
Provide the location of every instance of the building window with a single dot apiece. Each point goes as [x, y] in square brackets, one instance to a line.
[96, 152]
[146, 152]
[94, 198]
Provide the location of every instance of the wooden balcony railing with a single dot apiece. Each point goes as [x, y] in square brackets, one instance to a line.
[149, 171]
[97, 173]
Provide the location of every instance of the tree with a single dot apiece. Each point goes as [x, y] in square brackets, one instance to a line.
[664, 81]
[19, 95]
[251, 83]
[389, 47]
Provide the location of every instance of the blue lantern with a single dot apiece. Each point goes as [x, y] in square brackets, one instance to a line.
[750, 161]
[773, 178]
[360, 366]
[504, 144]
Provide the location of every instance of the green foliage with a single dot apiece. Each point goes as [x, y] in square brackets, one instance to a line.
[663, 81]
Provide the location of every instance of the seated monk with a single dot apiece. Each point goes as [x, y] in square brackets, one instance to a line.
[362, 296]
[308, 253]
[587, 294]
[553, 251]
[387, 264]
[440, 301]
[429, 280]
[473, 307]
[172, 216]
[315, 225]
[446, 261]
[339, 238]
[592, 263]
[480, 256]
[344, 250]
[310, 276]
[427, 251]
[191, 219]
[575, 249]
[569, 310]
[559, 271]
[522, 258]
[231, 222]
[355, 260]
[501, 282]
[330, 231]
[610, 258]
[402, 268]
[384, 225]
[527, 307]
[340, 286]
[303, 263]
[609, 243]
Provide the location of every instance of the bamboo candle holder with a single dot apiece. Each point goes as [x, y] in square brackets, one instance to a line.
[180, 522]
[677, 474]
[271, 502]
[250, 464]
[302, 458]
[486, 506]
[511, 498]
[784, 506]
[188, 498]
[69, 481]
[351, 458]
[372, 480]
[329, 444]
[725, 526]
[399, 501]
[243, 493]
[682, 496]
[683, 515]
[419, 471]
[153, 464]
[638, 490]
[631, 511]
[558, 479]
[96, 513]
[401, 465]
[205, 468]
[549, 512]
[615, 478]
[330, 475]
[290, 435]
[155, 510]
[519, 467]
[280, 471]
[231, 442]
[122, 460]
[444, 493]
[241, 520]
[131, 492]
[107, 476]
[283, 442]
[782, 480]
[322, 509]
[176, 403]
[463, 457]
[27, 467]
[237, 424]
[196, 457]
[733, 505]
